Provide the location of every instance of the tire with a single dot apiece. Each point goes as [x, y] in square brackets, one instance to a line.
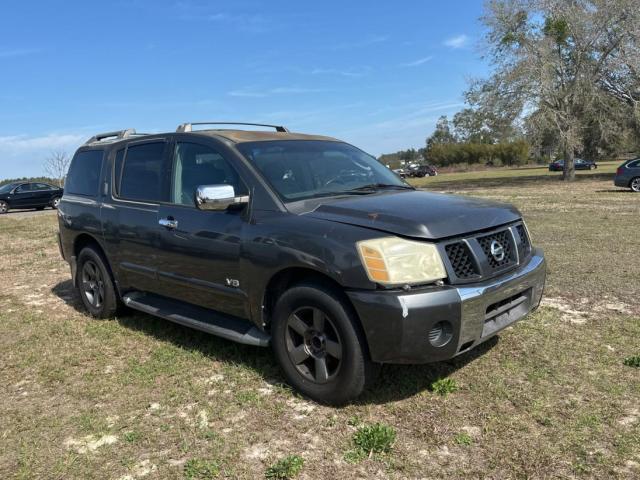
[54, 202]
[634, 184]
[95, 284]
[4, 207]
[312, 327]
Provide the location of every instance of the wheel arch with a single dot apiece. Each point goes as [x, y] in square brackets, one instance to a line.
[87, 240]
[287, 277]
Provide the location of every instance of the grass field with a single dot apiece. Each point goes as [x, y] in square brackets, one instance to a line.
[137, 397]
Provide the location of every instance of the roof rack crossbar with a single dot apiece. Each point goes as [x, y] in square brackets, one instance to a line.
[187, 127]
[118, 134]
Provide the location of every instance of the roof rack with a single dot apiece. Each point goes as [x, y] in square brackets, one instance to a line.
[117, 135]
[186, 127]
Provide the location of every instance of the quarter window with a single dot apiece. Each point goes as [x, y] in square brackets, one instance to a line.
[142, 172]
[84, 173]
[195, 165]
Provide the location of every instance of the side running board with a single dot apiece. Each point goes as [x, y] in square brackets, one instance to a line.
[225, 326]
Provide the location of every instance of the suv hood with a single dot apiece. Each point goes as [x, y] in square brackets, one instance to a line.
[417, 213]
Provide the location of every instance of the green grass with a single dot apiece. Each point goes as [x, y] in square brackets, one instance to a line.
[463, 438]
[552, 397]
[200, 469]
[371, 439]
[632, 361]
[286, 468]
[444, 386]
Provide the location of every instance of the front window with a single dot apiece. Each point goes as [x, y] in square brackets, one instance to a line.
[300, 169]
[8, 187]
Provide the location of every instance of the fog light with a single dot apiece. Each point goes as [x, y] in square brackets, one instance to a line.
[440, 334]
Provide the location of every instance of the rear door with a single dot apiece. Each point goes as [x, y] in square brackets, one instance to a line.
[41, 194]
[200, 257]
[130, 221]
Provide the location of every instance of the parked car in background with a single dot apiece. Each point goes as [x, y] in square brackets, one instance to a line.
[580, 164]
[423, 171]
[628, 175]
[401, 172]
[29, 195]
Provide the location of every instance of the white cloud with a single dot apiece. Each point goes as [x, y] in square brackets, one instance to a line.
[371, 40]
[351, 72]
[458, 41]
[24, 155]
[417, 63]
[255, 93]
[17, 52]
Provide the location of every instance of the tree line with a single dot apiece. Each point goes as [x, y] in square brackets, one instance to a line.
[565, 82]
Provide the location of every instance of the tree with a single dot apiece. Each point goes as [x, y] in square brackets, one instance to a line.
[56, 166]
[442, 133]
[559, 58]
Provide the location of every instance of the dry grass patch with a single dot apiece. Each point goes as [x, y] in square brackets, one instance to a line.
[137, 397]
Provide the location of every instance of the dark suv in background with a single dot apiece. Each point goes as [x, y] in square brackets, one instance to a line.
[29, 195]
[301, 242]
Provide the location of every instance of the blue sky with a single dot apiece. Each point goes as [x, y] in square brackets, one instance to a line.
[376, 74]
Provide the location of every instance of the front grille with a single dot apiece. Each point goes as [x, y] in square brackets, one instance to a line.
[461, 260]
[471, 259]
[501, 239]
[524, 238]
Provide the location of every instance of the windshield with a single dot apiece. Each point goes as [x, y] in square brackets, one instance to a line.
[7, 188]
[300, 169]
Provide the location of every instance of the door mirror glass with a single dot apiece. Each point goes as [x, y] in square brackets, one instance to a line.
[218, 197]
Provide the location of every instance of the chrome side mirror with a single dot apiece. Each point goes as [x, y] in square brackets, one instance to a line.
[218, 197]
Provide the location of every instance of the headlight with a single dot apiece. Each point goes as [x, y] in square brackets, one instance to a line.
[395, 261]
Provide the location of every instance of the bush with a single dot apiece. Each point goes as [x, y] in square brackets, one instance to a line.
[508, 154]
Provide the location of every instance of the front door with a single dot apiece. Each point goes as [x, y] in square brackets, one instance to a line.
[199, 251]
[22, 196]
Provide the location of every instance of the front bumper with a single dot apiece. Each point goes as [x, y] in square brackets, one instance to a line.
[397, 323]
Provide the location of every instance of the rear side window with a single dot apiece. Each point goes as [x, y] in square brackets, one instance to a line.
[84, 173]
[142, 172]
[634, 164]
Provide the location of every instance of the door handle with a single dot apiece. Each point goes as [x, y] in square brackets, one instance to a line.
[169, 223]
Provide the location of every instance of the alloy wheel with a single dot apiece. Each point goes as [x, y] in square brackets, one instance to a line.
[92, 284]
[635, 184]
[313, 344]
[56, 202]
[3, 207]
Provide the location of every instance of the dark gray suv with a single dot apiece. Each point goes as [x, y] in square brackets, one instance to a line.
[299, 242]
[628, 175]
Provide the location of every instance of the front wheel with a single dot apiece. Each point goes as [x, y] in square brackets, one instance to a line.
[635, 184]
[319, 345]
[55, 202]
[4, 207]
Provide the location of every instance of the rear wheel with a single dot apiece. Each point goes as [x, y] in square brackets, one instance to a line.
[4, 207]
[95, 285]
[319, 345]
[635, 184]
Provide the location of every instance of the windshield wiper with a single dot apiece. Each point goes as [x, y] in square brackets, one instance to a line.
[378, 186]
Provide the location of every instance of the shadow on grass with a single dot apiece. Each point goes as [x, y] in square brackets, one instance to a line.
[396, 382]
[524, 181]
